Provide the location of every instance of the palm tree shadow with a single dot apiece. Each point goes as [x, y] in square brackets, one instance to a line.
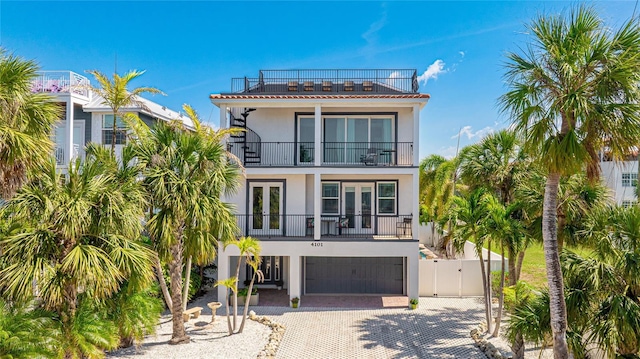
[440, 333]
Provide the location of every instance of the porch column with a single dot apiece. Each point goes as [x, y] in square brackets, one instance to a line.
[295, 287]
[223, 272]
[317, 206]
[318, 139]
[68, 147]
[412, 277]
[416, 135]
[223, 116]
[415, 205]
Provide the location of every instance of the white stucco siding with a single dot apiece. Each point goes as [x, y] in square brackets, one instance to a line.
[612, 177]
[395, 248]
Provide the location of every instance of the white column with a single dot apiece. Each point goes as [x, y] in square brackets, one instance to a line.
[416, 135]
[223, 116]
[317, 206]
[295, 287]
[68, 148]
[415, 205]
[318, 133]
[223, 272]
[412, 276]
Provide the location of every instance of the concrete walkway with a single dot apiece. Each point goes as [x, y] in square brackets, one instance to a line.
[439, 328]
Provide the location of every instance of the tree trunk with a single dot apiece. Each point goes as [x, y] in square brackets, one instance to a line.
[518, 347]
[163, 284]
[496, 331]
[513, 279]
[489, 287]
[185, 290]
[179, 335]
[433, 233]
[557, 303]
[113, 135]
[519, 265]
[228, 316]
[487, 301]
[246, 304]
[235, 294]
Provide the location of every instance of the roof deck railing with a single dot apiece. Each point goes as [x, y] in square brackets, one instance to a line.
[388, 81]
[61, 82]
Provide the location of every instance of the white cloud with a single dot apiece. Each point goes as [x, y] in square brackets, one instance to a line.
[448, 152]
[469, 133]
[461, 53]
[432, 72]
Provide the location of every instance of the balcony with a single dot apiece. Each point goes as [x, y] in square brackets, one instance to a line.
[63, 82]
[59, 153]
[332, 227]
[335, 154]
[375, 81]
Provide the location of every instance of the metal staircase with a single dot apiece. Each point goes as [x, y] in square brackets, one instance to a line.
[249, 141]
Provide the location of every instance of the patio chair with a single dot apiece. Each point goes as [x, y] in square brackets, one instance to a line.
[342, 223]
[371, 158]
[404, 227]
[310, 226]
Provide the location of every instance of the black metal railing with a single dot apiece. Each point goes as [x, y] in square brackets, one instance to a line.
[339, 80]
[331, 226]
[352, 154]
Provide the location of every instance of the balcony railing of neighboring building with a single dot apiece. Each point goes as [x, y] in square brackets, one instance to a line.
[61, 82]
[302, 226]
[352, 154]
[59, 154]
[358, 81]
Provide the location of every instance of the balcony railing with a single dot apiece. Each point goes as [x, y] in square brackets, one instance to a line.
[353, 154]
[331, 227]
[327, 81]
[61, 82]
[59, 153]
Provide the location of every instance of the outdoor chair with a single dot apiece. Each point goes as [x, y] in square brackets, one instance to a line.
[371, 158]
[310, 226]
[403, 228]
[342, 223]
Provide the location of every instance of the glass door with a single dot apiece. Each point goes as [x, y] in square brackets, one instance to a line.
[265, 206]
[357, 209]
[306, 140]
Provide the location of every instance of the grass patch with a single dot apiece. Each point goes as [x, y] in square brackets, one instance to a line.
[534, 270]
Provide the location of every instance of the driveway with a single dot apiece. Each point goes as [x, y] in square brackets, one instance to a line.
[439, 328]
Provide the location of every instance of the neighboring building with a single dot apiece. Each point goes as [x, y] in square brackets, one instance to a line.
[621, 178]
[331, 186]
[86, 119]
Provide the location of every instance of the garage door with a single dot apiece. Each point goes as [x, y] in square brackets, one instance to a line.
[342, 275]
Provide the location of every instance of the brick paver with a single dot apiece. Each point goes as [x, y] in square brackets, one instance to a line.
[439, 328]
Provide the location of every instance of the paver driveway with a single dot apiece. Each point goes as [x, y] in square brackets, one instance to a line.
[439, 328]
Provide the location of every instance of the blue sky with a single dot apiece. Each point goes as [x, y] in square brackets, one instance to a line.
[192, 49]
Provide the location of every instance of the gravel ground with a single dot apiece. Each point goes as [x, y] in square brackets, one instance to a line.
[207, 341]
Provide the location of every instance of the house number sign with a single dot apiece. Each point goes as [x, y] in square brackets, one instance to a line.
[316, 244]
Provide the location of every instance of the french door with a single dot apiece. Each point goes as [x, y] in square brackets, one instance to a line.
[265, 206]
[357, 208]
[350, 140]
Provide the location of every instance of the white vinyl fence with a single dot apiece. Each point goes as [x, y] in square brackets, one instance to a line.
[453, 277]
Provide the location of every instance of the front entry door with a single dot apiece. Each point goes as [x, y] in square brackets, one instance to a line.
[271, 268]
[265, 206]
[357, 207]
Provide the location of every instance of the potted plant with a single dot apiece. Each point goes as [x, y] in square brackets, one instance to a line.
[279, 284]
[413, 303]
[242, 296]
[294, 302]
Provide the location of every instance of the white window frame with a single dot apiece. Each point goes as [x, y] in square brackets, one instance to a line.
[122, 128]
[628, 203]
[629, 179]
[394, 198]
[322, 197]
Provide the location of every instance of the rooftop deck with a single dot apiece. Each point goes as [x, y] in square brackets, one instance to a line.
[63, 82]
[374, 81]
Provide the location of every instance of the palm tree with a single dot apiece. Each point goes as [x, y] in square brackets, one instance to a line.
[250, 249]
[73, 234]
[117, 96]
[26, 332]
[571, 91]
[496, 163]
[470, 215]
[26, 123]
[229, 284]
[185, 173]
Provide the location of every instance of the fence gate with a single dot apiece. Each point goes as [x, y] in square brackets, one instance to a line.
[450, 278]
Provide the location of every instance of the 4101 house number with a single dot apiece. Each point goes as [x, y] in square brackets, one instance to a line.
[316, 244]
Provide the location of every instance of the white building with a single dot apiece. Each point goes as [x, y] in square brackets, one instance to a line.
[331, 184]
[85, 118]
[622, 179]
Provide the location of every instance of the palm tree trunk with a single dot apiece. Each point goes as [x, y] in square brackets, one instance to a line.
[246, 304]
[163, 284]
[235, 294]
[557, 303]
[185, 290]
[496, 331]
[179, 335]
[489, 288]
[512, 266]
[519, 265]
[113, 135]
[487, 302]
[518, 347]
[228, 316]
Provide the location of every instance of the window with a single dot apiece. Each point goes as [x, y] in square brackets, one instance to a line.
[627, 204]
[386, 197]
[107, 130]
[330, 198]
[349, 139]
[629, 179]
